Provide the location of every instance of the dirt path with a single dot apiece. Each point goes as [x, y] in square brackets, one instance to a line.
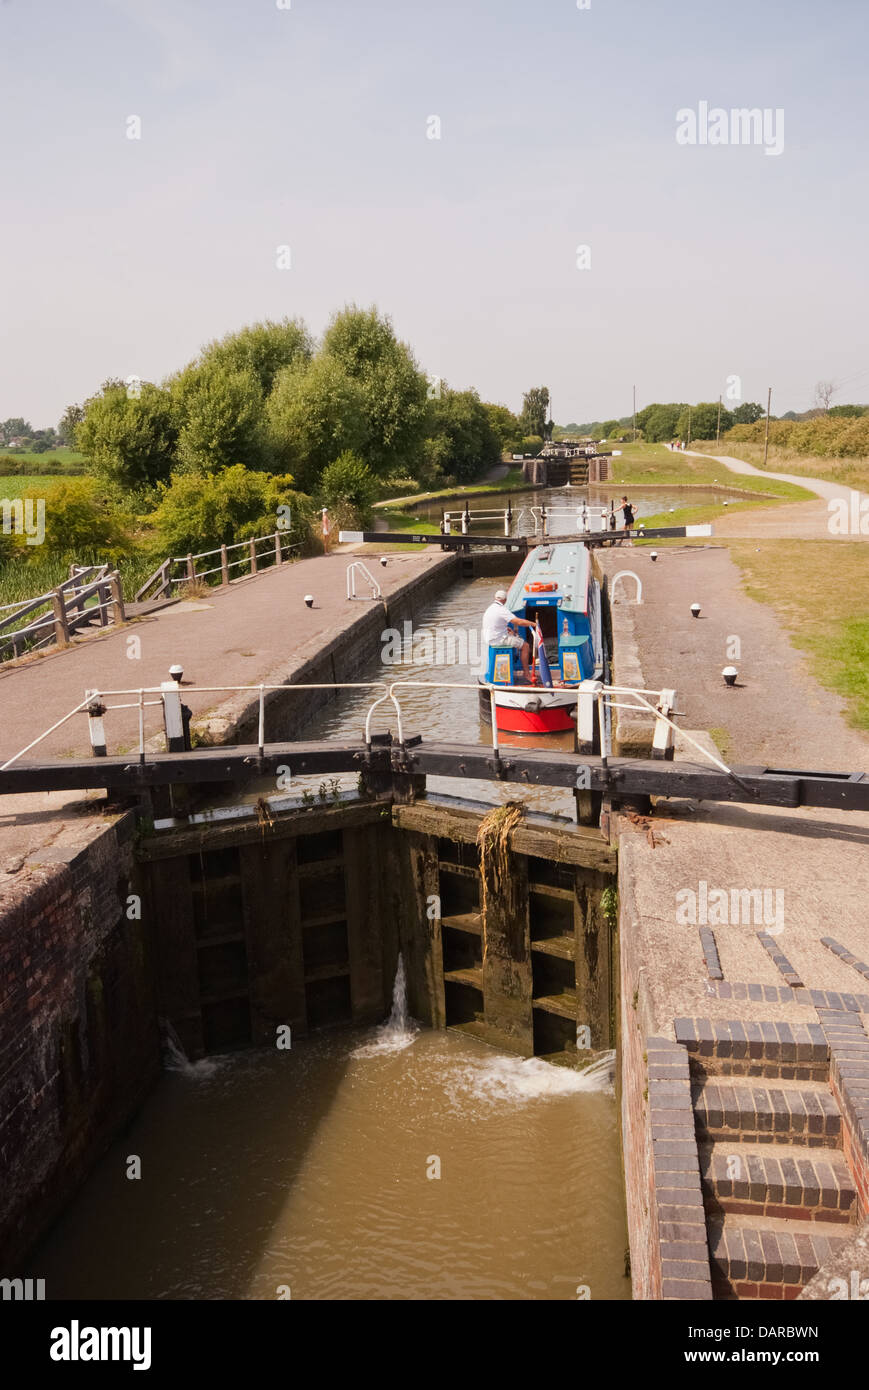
[794, 520]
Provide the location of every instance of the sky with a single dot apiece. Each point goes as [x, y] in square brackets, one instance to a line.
[308, 124]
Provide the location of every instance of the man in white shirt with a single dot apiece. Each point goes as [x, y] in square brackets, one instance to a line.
[500, 629]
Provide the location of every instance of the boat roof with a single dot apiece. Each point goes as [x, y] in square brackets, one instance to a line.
[567, 566]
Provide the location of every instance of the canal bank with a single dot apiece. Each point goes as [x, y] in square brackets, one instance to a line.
[744, 1063]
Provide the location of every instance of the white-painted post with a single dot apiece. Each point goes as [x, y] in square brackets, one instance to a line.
[663, 739]
[96, 727]
[173, 721]
[586, 714]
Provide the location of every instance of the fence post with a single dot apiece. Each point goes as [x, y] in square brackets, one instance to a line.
[61, 627]
[165, 581]
[191, 569]
[224, 565]
[278, 556]
[117, 596]
[253, 555]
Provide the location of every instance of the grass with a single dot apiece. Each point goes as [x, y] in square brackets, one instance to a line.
[850, 472]
[511, 482]
[821, 596]
[16, 484]
[398, 520]
[69, 457]
[654, 463]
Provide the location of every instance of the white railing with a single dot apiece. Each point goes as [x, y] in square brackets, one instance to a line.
[376, 591]
[659, 704]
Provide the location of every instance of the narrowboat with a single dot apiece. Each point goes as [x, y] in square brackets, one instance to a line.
[556, 589]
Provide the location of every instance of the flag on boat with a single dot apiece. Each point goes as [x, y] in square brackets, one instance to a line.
[542, 661]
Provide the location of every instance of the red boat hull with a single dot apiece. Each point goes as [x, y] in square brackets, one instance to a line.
[520, 721]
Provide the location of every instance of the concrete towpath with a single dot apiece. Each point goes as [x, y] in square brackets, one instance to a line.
[791, 520]
[256, 629]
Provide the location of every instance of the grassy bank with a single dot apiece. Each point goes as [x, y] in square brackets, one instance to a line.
[655, 463]
[849, 472]
[15, 484]
[511, 482]
[398, 520]
[823, 605]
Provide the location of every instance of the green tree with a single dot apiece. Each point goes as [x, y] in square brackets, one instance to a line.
[263, 348]
[661, 422]
[201, 511]
[468, 445]
[129, 439]
[220, 414]
[82, 519]
[347, 479]
[506, 425]
[608, 427]
[316, 412]
[69, 423]
[14, 427]
[535, 411]
[531, 444]
[747, 413]
[393, 390]
[703, 421]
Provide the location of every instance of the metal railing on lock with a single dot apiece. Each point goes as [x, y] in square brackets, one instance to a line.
[161, 583]
[592, 698]
[465, 519]
[586, 518]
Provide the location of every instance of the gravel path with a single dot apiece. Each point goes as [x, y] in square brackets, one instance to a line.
[792, 520]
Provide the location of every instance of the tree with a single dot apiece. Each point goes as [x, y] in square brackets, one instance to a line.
[465, 442]
[347, 479]
[824, 393]
[393, 391]
[81, 519]
[703, 421]
[608, 427]
[535, 411]
[129, 439]
[13, 428]
[506, 425]
[661, 422]
[264, 348]
[201, 511]
[315, 413]
[69, 423]
[748, 413]
[220, 412]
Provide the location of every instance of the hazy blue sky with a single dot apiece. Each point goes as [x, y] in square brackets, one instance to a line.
[307, 127]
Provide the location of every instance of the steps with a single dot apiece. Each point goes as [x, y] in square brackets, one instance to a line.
[771, 1258]
[778, 1194]
[783, 1112]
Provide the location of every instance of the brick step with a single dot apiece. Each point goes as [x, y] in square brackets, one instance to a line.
[719, 1047]
[783, 1112]
[769, 1259]
[784, 1181]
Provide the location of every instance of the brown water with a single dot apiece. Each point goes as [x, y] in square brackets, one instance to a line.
[308, 1169]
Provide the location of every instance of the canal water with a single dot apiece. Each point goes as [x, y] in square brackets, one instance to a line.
[354, 1166]
[564, 507]
[400, 1163]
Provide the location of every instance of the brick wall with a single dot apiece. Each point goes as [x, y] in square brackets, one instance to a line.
[79, 1039]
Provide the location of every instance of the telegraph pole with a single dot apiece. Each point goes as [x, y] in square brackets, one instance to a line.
[635, 414]
[766, 440]
[689, 427]
[718, 428]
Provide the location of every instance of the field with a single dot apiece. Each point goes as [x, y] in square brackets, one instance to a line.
[19, 483]
[850, 472]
